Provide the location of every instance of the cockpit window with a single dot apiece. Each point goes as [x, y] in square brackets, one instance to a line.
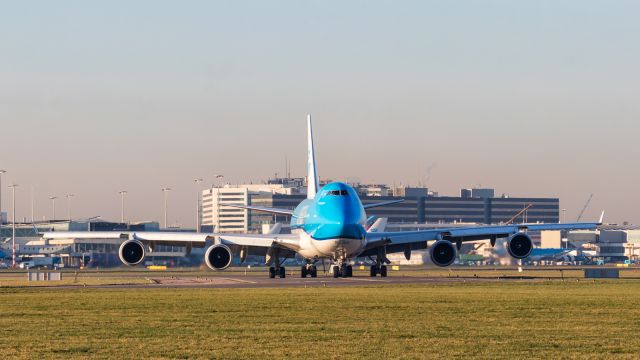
[336, 193]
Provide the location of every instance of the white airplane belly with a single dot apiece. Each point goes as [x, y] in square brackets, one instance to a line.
[311, 248]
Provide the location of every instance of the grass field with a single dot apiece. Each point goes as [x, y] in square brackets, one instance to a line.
[542, 319]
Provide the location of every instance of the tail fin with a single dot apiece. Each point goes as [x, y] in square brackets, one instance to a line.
[312, 175]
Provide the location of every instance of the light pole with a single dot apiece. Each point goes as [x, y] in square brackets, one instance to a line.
[53, 206]
[122, 194]
[69, 196]
[197, 181]
[32, 206]
[166, 194]
[13, 229]
[1, 172]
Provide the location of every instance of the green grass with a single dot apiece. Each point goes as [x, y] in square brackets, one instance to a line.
[548, 319]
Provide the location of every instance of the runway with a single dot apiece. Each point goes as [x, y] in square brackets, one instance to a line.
[247, 282]
[256, 278]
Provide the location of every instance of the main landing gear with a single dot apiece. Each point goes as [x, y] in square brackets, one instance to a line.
[378, 269]
[277, 269]
[280, 271]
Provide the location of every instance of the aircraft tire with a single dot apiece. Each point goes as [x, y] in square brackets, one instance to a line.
[283, 272]
[272, 272]
[314, 272]
[303, 271]
[349, 271]
[373, 271]
[336, 271]
[383, 270]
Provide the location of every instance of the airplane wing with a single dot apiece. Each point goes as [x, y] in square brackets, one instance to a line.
[288, 241]
[382, 203]
[262, 208]
[399, 241]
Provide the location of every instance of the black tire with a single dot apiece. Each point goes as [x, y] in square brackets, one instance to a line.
[314, 272]
[383, 270]
[283, 272]
[303, 271]
[336, 271]
[272, 272]
[373, 271]
[349, 271]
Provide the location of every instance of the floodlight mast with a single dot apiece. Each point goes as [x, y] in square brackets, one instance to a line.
[53, 207]
[13, 226]
[197, 181]
[1, 172]
[165, 190]
[122, 194]
[69, 196]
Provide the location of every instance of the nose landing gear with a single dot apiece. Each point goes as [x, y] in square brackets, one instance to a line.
[342, 269]
[309, 269]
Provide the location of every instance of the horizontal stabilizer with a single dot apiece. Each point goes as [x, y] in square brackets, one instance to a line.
[378, 226]
[262, 208]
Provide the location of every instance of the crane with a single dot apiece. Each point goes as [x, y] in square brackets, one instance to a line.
[584, 208]
[523, 211]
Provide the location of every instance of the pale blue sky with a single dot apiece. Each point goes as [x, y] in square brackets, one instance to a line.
[535, 98]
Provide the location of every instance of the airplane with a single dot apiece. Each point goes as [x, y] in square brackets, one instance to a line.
[500, 253]
[331, 223]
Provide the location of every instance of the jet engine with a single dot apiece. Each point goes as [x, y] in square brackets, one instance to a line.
[443, 253]
[519, 245]
[218, 257]
[131, 252]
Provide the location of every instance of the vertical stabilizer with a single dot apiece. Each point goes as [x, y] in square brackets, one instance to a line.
[312, 175]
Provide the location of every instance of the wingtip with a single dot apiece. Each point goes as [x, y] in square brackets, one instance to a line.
[601, 217]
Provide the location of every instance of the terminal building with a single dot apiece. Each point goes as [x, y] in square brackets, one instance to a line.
[618, 243]
[419, 206]
[226, 219]
[77, 252]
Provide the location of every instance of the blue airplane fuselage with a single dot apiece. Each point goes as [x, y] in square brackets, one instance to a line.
[334, 221]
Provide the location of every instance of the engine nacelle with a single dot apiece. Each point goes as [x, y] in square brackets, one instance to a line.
[218, 257]
[519, 245]
[131, 252]
[443, 253]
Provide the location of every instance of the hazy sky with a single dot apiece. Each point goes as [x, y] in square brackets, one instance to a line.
[537, 98]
